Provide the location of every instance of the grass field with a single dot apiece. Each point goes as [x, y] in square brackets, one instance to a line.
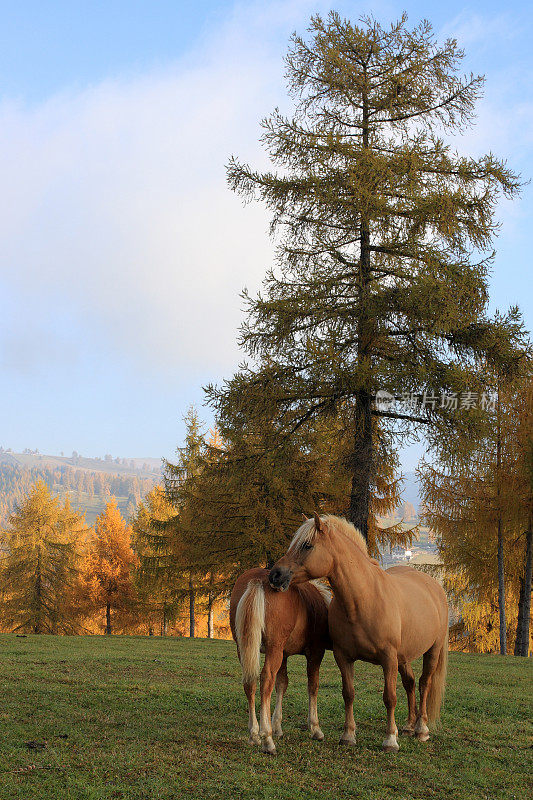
[139, 718]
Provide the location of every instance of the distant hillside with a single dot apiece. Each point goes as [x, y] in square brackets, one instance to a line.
[89, 482]
[139, 467]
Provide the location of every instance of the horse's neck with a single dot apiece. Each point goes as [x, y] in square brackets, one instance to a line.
[351, 575]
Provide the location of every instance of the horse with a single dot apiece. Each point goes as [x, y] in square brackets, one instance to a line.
[386, 617]
[279, 625]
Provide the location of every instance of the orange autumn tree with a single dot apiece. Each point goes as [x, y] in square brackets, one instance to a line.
[108, 574]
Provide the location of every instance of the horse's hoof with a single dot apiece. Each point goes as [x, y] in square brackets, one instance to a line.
[390, 745]
[278, 733]
[349, 740]
[317, 735]
[255, 739]
[268, 747]
[408, 730]
[421, 731]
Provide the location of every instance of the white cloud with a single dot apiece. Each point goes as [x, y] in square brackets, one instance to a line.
[115, 206]
[472, 28]
[115, 201]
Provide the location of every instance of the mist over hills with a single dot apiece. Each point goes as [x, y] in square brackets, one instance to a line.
[88, 482]
[140, 467]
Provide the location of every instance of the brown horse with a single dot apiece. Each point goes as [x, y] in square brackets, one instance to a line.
[279, 625]
[387, 617]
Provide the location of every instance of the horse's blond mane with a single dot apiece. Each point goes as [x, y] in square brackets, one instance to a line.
[306, 532]
[350, 531]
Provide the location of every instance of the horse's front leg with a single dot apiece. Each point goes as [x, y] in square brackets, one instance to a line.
[390, 673]
[348, 694]
[313, 667]
[282, 681]
[273, 661]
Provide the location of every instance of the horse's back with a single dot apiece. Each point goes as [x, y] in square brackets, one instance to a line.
[414, 582]
[296, 619]
[316, 614]
[422, 603]
[239, 588]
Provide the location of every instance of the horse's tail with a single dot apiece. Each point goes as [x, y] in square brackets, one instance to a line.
[249, 627]
[438, 682]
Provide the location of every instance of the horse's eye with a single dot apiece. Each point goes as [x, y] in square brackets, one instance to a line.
[307, 546]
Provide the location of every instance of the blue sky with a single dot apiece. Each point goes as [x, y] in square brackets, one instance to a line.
[122, 253]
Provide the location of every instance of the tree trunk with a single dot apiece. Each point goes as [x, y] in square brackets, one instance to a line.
[524, 604]
[501, 593]
[210, 616]
[362, 464]
[518, 638]
[191, 609]
[38, 624]
[362, 456]
[108, 619]
[164, 622]
[501, 570]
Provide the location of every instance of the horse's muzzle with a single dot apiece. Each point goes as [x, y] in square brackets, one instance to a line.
[279, 578]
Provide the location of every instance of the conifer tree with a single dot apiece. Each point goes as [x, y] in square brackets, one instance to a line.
[159, 584]
[246, 500]
[479, 500]
[249, 495]
[176, 475]
[40, 557]
[385, 239]
[166, 560]
[108, 570]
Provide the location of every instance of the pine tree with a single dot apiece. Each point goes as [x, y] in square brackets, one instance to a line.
[385, 237]
[245, 501]
[248, 497]
[176, 475]
[41, 550]
[167, 565]
[159, 586]
[108, 570]
[479, 500]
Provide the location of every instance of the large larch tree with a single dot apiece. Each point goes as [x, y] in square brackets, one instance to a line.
[385, 237]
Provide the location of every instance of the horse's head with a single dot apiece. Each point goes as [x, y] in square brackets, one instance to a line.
[307, 556]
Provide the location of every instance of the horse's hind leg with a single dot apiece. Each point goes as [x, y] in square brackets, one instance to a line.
[282, 681]
[409, 684]
[430, 662]
[390, 672]
[313, 666]
[273, 661]
[253, 726]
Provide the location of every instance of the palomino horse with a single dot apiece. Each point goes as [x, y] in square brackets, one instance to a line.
[387, 617]
[280, 625]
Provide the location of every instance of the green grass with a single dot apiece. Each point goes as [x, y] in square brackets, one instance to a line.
[139, 718]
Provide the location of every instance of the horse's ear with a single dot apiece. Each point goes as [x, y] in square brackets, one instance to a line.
[304, 517]
[317, 522]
